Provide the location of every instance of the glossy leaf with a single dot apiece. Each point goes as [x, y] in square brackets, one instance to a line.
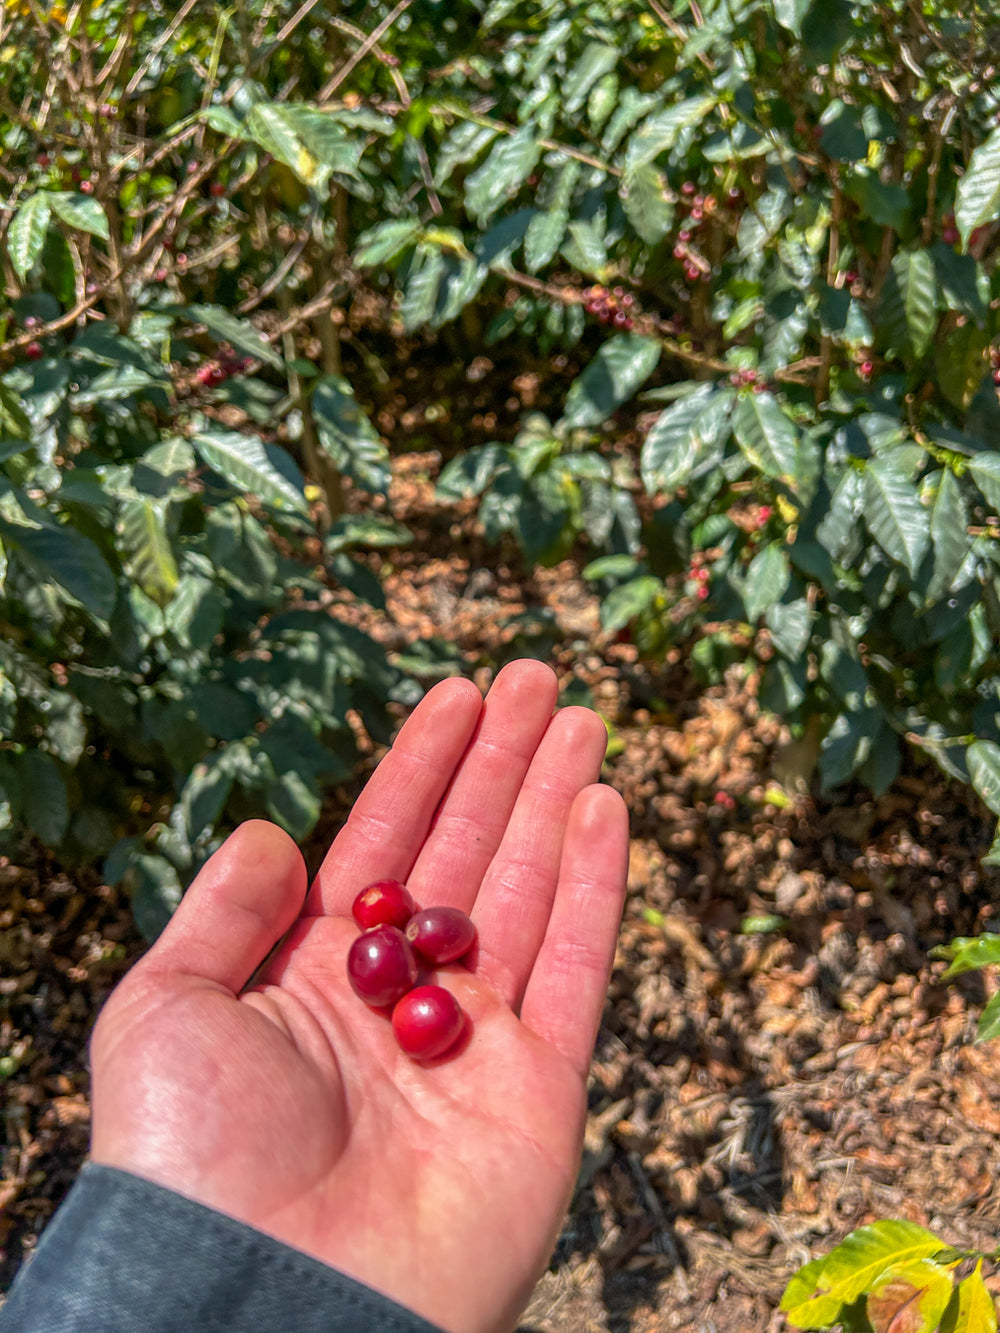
[80, 211]
[766, 579]
[621, 365]
[510, 162]
[43, 796]
[893, 512]
[972, 1309]
[815, 1296]
[908, 315]
[26, 234]
[240, 332]
[347, 436]
[145, 546]
[244, 462]
[766, 435]
[909, 1297]
[977, 199]
[983, 759]
[685, 437]
[646, 202]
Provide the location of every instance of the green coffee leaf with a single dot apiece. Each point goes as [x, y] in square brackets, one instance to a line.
[909, 1296]
[988, 1028]
[686, 439]
[968, 953]
[893, 512]
[464, 144]
[766, 436]
[240, 332]
[421, 292]
[961, 362]
[949, 525]
[205, 793]
[145, 546]
[629, 600]
[43, 796]
[767, 577]
[790, 14]
[983, 759]
[80, 211]
[155, 890]
[347, 436]
[247, 465]
[847, 745]
[985, 470]
[508, 166]
[597, 59]
[26, 234]
[977, 199]
[69, 559]
[382, 244]
[293, 802]
[908, 315]
[645, 199]
[659, 133]
[610, 379]
[543, 238]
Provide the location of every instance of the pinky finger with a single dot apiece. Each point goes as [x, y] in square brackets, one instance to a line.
[565, 993]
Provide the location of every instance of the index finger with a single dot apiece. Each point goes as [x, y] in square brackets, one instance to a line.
[390, 819]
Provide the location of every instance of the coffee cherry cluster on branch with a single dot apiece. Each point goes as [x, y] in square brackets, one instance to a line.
[214, 373]
[383, 965]
[616, 306]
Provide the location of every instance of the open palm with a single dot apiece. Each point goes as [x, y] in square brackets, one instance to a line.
[289, 1105]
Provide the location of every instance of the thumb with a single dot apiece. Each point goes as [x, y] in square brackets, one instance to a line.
[242, 901]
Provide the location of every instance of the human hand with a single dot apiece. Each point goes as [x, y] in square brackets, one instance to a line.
[289, 1105]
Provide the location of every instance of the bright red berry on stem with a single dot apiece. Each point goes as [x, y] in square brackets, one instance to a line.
[34, 351]
[381, 967]
[86, 187]
[217, 189]
[441, 934]
[427, 1022]
[386, 902]
[702, 593]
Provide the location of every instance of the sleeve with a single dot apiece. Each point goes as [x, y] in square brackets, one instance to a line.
[126, 1256]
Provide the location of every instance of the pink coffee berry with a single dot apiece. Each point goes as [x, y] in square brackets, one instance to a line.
[441, 934]
[427, 1022]
[386, 902]
[381, 967]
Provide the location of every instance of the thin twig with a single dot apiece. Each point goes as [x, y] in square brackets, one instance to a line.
[330, 87]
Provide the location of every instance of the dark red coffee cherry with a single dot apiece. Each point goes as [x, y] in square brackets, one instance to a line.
[441, 934]
[386, 902]
[381, 967]
[427, 1022]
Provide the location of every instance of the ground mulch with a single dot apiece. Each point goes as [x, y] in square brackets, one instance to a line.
[756, 1093]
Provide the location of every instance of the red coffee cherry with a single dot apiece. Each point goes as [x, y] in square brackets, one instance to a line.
[34, 351]
[386, 902]
[427, 1022]
[441, 934]
[381, 967]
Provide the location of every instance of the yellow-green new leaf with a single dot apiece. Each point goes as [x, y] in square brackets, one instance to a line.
[971, 1309]
[910, 1297]
[852, 1268]
[145, 545]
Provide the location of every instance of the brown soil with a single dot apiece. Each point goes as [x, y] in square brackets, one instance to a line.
[755, 1095]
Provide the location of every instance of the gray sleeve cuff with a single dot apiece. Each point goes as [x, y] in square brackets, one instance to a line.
[126, 1256]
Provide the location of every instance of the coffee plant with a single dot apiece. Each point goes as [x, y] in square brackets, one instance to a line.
[766, 234]
[785, 215]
